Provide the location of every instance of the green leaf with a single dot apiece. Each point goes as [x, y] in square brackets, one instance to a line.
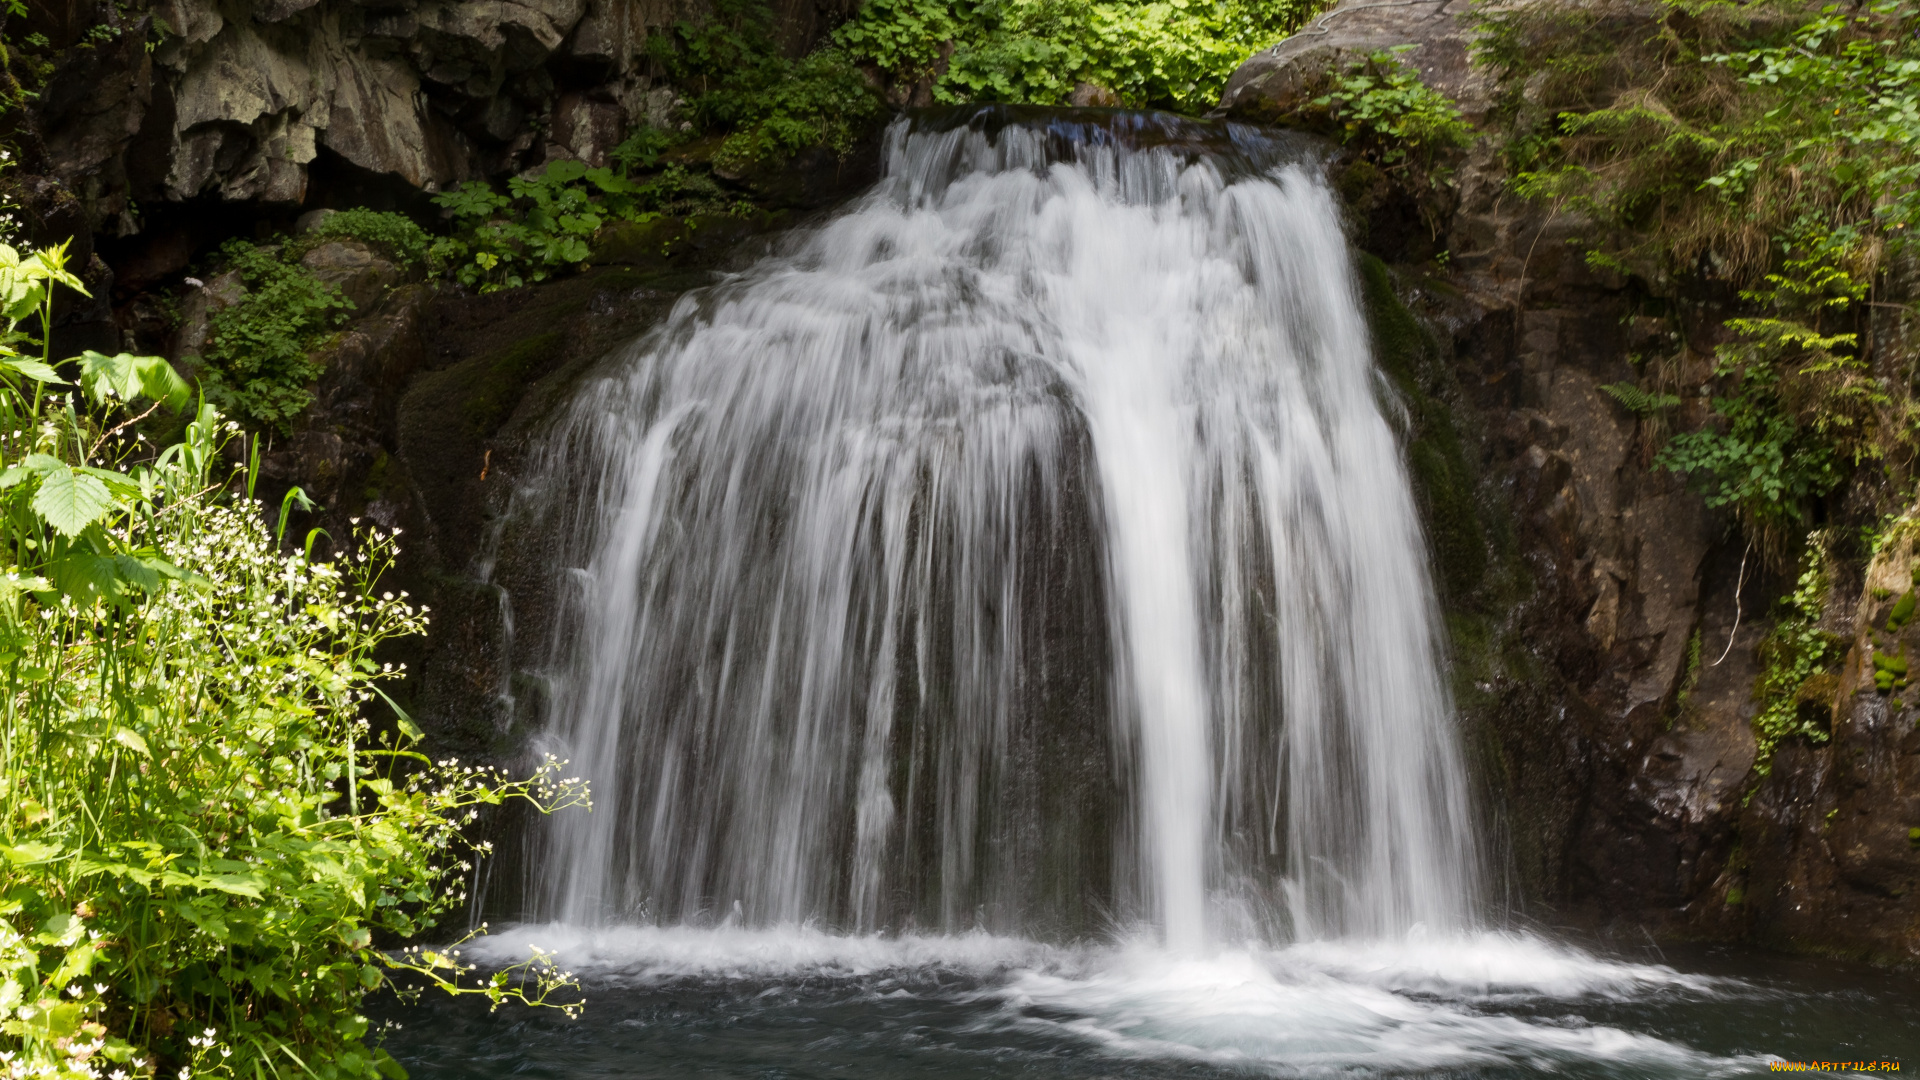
[388, 1067]
[128, 377]
[70, 501]
[131, 739]
[136, 572]
[30, 854]
[35, 370]
[248, 885]
[86, 576]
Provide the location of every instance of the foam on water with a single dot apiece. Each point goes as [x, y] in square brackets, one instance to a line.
[661, 953]
[1319, 1008]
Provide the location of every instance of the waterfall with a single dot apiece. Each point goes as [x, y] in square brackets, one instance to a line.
[1025, 548]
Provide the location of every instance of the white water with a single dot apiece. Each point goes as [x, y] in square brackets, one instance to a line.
[1027, 550]
[1022, 560]
[1416, 1006]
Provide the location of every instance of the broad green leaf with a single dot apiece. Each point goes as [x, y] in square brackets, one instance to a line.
[30, 854]
[564, 171]
[131, 739]
[128, 377]
[139, 874]
[86, 576]
[35, 370]
[10, 584]
[136, 572]
[248, 885]
[70, 501]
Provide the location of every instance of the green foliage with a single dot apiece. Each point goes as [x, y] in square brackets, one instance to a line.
[905, 38]
[201, 834]
[1759, 461]
[1640, 402]
[1382, 100]
[771, 106]
[1777, 152]
[396, 235]
[1168, 53]
[544, 225]
[1797, 686]
[9, 210]
[257, 357]
[1689, 675]
[778, 109]
[642, 148]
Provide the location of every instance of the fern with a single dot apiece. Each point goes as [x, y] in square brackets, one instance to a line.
[1640, 402]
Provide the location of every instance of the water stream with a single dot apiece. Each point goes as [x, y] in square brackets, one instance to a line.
[1003, 615]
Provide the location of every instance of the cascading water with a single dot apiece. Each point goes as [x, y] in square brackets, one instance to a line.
[1043, 500]
[998, 636]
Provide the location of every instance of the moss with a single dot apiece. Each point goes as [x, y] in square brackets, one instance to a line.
[503, 377]
[375, 485]
[1444, 481]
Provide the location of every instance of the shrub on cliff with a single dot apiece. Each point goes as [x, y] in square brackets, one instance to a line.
[542, 225]
[201, 834]
[258, 354]
[765, 105]
[1172, 54]
[1757, 150]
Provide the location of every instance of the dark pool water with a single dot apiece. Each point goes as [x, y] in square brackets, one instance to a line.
[799, 1004]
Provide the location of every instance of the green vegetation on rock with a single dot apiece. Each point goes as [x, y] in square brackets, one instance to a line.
[396, 236]
[769, 106]
[544, 225]
[1797, 685]
[1383, 101]
[1165, 53]
[258, 358]
[1776, 157]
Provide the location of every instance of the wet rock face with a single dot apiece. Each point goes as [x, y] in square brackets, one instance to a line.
[235, 100]
[1607, 664]
[425, 403]
[1836, 865]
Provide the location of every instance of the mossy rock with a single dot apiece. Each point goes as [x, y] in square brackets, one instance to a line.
[638, 243]
[1444, 481]
[501, 382]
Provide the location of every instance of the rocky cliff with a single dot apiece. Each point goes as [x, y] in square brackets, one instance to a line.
[1608, 627]
[1608, 659]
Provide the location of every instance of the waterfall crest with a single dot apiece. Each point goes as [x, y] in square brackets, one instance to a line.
[1024, 549]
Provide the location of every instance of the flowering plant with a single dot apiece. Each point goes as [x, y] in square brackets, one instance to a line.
[202, 832]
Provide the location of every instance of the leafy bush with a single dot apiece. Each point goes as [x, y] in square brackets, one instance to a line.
[1777, 155]
[396, 235]
[1383, 101]
[543, 225]
[778, 108]
[201, 834]
[642, 148]
[258, 352]
[1168, 53]
[739, 82]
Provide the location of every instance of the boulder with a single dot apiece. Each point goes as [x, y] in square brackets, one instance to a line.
[198, 307]
[354, 268]
[1275, 83]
